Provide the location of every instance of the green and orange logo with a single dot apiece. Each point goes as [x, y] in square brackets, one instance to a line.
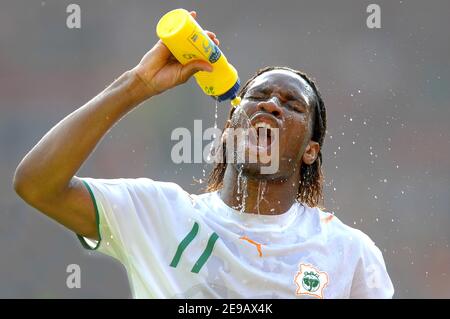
[310, 281]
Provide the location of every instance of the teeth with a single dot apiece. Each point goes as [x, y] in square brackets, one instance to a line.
[263, 125]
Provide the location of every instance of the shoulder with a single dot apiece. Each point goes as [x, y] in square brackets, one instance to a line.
[337, 230]
[141, 184]
[136, 189]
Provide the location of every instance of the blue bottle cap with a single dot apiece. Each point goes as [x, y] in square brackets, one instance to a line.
[231, 93]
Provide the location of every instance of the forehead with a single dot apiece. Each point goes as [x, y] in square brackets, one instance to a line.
[287, 82]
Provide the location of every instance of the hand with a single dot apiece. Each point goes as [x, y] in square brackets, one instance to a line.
[159, 70]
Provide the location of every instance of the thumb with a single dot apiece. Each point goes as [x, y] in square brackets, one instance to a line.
[193, 67]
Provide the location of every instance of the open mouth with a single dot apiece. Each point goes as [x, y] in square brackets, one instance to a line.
[265, 128]
[263, 134]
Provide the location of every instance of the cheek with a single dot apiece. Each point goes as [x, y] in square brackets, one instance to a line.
[294, 135]
[248, 107]
[296, 126]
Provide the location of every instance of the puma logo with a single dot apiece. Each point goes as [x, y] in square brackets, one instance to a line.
[258, 245]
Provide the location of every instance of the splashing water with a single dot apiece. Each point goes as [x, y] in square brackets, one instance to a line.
[261, 190]
[215, 116]
[241, 189]
[240, 119]
[239, 180]
[208, 158]
[214, 135]
[245, 193]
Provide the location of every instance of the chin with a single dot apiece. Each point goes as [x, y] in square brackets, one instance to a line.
[284, 170]
[253, 170]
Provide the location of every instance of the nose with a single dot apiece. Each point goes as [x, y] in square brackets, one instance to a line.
[272, 106]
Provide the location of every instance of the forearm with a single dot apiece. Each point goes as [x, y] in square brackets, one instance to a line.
[49, 167]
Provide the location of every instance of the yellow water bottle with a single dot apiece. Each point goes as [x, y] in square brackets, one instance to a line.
[187, 41]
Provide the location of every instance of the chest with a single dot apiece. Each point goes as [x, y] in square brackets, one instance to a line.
[202, 262]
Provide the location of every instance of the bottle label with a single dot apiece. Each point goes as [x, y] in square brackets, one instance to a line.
[204, 46]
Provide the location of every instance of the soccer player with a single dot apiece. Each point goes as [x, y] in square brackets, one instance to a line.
[273, 241]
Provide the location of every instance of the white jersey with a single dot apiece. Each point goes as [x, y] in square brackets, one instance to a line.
[177, 245]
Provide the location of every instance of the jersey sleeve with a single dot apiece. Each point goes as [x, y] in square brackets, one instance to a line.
[127, 211]
[371, 279]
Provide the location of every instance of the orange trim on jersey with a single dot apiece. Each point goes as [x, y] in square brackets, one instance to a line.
[258, 245]
[327, 219]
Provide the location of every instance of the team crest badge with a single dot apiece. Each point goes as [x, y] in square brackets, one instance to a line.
[310, 281]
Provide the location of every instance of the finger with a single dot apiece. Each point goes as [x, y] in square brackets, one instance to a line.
[193, 67]
[193, 14]
[212, 36]
[161, 50]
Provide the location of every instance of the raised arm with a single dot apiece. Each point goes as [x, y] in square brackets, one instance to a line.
[45, 178]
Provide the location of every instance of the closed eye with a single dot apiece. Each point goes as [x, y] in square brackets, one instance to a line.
[297, 106]
[293, 104]
[256, 97]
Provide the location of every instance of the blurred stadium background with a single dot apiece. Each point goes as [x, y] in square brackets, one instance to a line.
[386, 156]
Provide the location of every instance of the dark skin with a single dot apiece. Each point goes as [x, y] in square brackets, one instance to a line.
[289, 99]
[45, 178]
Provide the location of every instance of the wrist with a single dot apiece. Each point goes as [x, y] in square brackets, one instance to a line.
[136, 91]
[136, 88]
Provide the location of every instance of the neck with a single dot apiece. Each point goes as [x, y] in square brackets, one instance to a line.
[258, 196]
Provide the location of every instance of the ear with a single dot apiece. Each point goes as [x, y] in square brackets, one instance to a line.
[311, 152]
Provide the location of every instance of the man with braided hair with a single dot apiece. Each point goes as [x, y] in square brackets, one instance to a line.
[274, 241]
